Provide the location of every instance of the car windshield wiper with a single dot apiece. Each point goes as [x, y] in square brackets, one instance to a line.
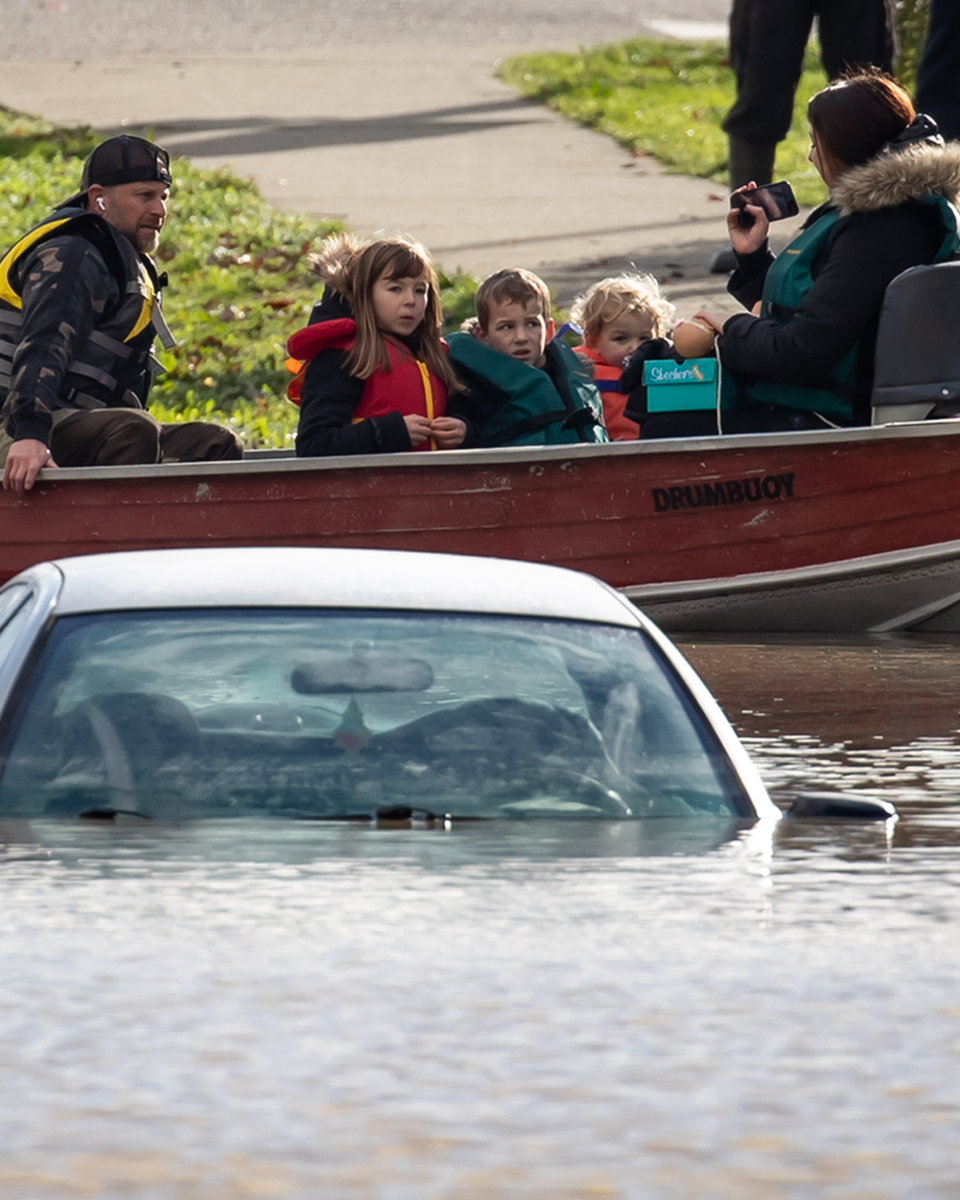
[406, 812]
[387, 815]
[106, 813]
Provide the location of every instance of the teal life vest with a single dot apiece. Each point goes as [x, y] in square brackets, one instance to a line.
[535, 407]
[788, 281]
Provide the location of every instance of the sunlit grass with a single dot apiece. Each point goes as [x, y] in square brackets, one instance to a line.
[239, 281]
[667, 100]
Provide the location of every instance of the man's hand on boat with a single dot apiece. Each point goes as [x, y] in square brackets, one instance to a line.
[27, 457]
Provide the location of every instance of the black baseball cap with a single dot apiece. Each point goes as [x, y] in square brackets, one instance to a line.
[123, 159]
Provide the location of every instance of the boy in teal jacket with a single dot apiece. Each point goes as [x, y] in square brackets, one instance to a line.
[525, 389]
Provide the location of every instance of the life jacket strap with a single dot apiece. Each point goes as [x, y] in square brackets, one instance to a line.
[9, 344]
[161, 328]
[579, 418]
[101, 377]
[535, 423]
[111, 344]
[83, 400]
[91, 403]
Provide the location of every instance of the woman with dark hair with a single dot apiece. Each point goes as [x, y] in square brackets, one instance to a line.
[807, 360]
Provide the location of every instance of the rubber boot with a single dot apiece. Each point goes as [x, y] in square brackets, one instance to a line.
[748, 160]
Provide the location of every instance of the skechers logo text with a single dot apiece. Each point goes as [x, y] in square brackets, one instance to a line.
[732, 491]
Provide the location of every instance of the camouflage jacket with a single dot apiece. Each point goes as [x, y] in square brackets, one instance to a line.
[76, 331]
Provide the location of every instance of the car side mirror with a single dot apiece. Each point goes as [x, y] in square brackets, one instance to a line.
[832, 806]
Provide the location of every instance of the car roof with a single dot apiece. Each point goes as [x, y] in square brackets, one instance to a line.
[334, 578]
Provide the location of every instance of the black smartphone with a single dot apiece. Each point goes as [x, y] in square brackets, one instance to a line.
[776, 199]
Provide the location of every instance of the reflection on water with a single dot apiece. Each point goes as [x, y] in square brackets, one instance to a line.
[660, 1011]
[879, 715]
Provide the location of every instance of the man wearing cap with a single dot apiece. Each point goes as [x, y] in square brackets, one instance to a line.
[79, 310]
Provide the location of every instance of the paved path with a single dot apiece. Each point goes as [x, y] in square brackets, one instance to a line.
[397, 122]
[71, 29]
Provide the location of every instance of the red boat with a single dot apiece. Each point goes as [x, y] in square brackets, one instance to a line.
[837, 531]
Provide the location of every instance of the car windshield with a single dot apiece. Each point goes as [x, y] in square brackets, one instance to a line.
[318, 714]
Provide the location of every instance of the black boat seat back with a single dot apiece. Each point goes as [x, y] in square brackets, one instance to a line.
[917, 364]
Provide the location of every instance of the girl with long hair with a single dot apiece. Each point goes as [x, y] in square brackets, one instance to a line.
[375, 375]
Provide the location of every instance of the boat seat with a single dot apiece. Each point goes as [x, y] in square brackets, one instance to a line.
[917, 364]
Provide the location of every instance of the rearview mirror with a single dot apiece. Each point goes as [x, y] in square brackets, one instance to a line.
[363, 671]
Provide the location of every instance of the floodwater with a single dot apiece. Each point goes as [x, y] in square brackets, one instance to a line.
[515, 1010]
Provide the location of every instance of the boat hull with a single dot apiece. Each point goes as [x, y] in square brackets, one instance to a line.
[841, 530]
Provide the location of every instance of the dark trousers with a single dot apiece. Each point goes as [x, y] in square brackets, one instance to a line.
[938, 79]
[116, 436]
[761, 418]
[768, 39]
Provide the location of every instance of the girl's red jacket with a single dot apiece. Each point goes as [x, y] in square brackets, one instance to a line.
[408, 387]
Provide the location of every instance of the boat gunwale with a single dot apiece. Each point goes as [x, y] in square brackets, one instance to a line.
[510, 455]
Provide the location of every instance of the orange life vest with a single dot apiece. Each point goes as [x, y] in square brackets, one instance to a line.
[607, 378]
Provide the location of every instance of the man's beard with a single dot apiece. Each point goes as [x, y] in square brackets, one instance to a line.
[146, 240]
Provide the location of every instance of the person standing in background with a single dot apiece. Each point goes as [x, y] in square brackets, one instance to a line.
[938, 78]
[768, 40]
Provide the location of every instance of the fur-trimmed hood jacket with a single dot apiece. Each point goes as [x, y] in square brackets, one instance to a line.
[885, 228]
[334, 262]
[892, 179]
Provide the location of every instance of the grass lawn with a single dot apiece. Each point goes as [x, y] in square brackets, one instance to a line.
[239, 283]
[665, 99]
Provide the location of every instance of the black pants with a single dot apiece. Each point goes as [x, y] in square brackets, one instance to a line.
[938, 79]
[116, 436]
[761, 418]
[768, 39]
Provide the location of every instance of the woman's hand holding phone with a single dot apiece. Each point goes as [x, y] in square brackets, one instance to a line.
[746, 241]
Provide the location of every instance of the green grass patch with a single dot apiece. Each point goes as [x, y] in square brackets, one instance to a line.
[667, 100]
[912, 19]
[239, 281]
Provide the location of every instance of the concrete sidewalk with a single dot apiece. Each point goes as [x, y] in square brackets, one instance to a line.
[422, 139]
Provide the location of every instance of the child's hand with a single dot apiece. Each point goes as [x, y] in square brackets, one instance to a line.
[418, 428]
[448, 432]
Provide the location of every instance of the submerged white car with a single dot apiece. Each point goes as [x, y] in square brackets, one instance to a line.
[332, 685]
